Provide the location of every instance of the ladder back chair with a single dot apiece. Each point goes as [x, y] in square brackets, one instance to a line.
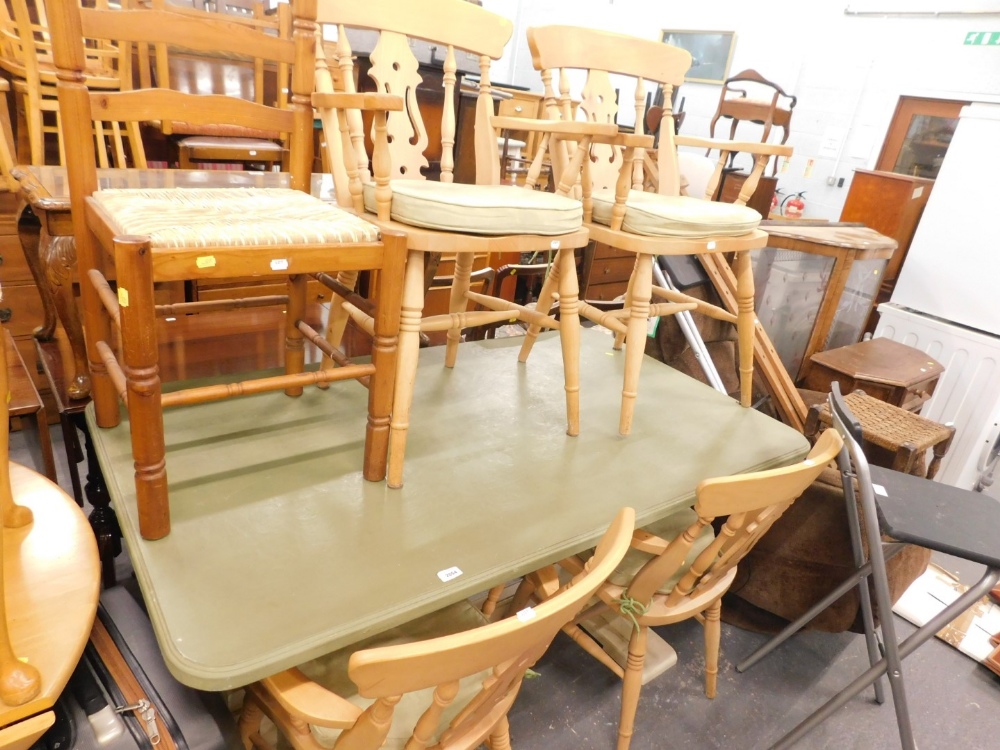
[680, 568]
[444, 217]
[175, 234]
[617, 211]
[26, 54]
[252, 77]
[446, 680]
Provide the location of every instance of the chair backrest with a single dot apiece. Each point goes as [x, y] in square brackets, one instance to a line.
[508, 647]
[753, 98]
[250, 78]
[454, 26]
[205, 33]
[751, 503]
[557, 50]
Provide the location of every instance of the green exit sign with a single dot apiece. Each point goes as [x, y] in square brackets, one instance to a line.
[983, 38]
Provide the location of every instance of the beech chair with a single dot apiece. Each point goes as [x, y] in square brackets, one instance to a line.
[679, 568]
[182, 234]
[616, 210]
[26, 55]
[443, 217]
[446, 680]
[906, 510]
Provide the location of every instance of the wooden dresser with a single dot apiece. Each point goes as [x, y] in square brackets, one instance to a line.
[605, 272]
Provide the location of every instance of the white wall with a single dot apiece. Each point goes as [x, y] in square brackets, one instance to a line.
[847, 71]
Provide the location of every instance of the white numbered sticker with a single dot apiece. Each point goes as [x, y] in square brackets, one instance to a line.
[880, 490]
[449, 574]
[279, 264]
[526, 614]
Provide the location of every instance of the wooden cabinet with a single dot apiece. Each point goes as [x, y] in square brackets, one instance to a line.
[605, 272]
[891, 204]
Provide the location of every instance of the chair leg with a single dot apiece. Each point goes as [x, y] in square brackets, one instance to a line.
[295, 353]
[490, 605]
[631, 687]
[543, 303]
[746, 322]
[406, 369]
[620, 337]
[713, 635]
[249, 721]
[458, 303]
[133, 259]
[569, 336]
[337, 322]
[500, 736]
[184, 157]
[635, 343]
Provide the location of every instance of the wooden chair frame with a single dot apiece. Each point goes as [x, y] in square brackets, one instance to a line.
[457, 26]
[132, 310]
[750, 503]
[509, 647]
[557, 49]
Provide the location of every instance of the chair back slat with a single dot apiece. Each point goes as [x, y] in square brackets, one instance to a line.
[599, 104]
[751, 504]
[507, 647]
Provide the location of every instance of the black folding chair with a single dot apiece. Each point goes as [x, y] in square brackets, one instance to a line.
[910, 510]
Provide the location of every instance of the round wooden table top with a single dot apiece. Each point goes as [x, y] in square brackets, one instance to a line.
[52, 576]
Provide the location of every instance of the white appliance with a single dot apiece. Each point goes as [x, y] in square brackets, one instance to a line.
[947, 299]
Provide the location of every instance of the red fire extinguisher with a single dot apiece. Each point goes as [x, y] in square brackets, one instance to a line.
[793, 206]
[774, 201]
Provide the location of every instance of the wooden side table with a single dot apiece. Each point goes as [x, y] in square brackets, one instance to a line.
[884, 369]
[28, 405]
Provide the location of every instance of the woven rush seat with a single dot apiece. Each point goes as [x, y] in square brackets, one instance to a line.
[658, 215]
[906, 435]
[479, 209]
[230, 217]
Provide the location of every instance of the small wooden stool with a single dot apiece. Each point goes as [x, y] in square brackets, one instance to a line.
[26, 403]
[898, 437]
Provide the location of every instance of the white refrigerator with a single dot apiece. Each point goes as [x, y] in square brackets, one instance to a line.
[947, 299]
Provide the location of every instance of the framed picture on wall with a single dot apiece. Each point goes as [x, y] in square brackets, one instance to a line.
[711, 53]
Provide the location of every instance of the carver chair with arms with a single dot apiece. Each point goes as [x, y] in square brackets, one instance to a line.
[444, 217]
[679, 568]
[616, 210]
[446, 680]
[166, 233]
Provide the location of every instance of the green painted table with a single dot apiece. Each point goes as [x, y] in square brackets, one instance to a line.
[280, 551]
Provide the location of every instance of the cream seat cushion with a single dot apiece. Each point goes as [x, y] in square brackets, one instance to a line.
[231, 217]
[330, 671]
[479, 209]
[657, 215]
[218, 141]
[667, 528]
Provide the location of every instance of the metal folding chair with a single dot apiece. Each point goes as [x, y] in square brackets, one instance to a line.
[910, 510]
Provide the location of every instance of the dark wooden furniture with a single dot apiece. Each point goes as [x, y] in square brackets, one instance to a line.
[25, 404]
[884, 369]
[806, 311]
[893, 437]
[891, 204]
[605, 272]
[760, 201]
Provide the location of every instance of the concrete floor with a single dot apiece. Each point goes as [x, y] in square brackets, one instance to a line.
[573, 704]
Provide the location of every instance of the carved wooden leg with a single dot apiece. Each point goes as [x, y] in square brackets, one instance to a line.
[939, 453]
[569, 336]
[133, 258]
[385, 351]
[29, 230]
[406, 369]
[102, 519]
[337, 322]
[458, 303]
[58, 257]
[906, 458]
[713, 635]
[620, 337]
[746, 322]
[500, 736]
[631, 687]
[490, 605]
[542, 304]
[635, 344]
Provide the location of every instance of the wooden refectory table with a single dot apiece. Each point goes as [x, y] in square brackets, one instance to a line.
[280, 551]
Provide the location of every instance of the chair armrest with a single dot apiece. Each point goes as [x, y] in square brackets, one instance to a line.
[769, 149]
[555, 127]
[340, 100]
[306, 700]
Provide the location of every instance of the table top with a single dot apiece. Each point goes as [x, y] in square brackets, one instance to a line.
[280, 551]
[854, 238]
[52, 579]
[881, 360]
[46, 187]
